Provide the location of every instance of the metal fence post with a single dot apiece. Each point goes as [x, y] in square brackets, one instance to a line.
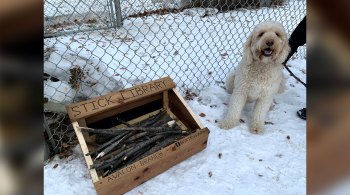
[118, 13]
[111, 13]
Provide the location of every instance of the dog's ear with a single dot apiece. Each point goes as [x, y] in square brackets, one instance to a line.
[284, 52]
[247, 52]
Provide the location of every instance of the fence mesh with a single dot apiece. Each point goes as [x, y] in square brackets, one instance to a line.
[93, 47]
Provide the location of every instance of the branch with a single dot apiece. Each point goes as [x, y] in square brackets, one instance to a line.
[123, 122]
[115, 161]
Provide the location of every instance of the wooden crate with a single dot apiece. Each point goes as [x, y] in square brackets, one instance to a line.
[133, 105]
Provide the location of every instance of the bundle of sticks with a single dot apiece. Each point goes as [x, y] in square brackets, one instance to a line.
[120, 147]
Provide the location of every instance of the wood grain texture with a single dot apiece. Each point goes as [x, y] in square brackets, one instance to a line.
[100, 104]
[166, 100]
[180, 108]
[122, 108]
[137, 173]
[138, 119]
[169, 99]
[85, 150]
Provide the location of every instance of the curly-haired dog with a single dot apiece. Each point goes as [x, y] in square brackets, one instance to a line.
[258, 76]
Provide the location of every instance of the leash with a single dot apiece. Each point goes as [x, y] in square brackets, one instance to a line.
[293, 75]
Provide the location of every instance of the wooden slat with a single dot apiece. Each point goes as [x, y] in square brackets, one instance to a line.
[98, 105]
[166, 100]
[85, 150]
[178, 121]
[148, 167]
[184, 108]
[87, 138]
[138, 119]
[123, 108]
[106, 106]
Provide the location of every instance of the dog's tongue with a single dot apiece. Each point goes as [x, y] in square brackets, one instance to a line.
[267, 52]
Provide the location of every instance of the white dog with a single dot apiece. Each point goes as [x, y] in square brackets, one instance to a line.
[258, 76]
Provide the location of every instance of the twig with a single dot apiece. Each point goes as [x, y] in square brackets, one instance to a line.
[115, 144]
[113, 153]
[105, 164]
[116, 160]
[131, 159]
[167, 141]
[123, 122]
[137, 136]
[150, 121]
[107, 144]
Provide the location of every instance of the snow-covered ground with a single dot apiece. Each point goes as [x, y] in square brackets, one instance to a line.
[272, 163]
[78, 15]
[197, 48]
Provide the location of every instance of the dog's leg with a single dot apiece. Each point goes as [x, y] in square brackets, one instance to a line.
[230, 82]
[261, 108]
[282, 86]
[237, 102]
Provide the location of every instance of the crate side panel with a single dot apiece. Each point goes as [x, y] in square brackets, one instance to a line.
[85, 150]
[127, 115]
[179, 107]
[123, 108]
[151, 166]
[100, 104]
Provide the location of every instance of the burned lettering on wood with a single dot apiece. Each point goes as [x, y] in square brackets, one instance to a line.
[143, 89]
[92, 105]
[151, 158]
[116, 175]
[121, 172]
[112, 100]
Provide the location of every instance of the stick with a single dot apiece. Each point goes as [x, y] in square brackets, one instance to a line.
[137, 136]
[167, 141]
[107, 144]
[115, 144]
[148, 122]
[100, 166]
[113, 153]
[162, 130]
[162, 121]
[123, 122]
[131, 159]
[117, 160]
[137, 151]
[165, 133]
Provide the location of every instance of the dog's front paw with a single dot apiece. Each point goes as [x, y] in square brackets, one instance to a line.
[257, 129]
[227, 123]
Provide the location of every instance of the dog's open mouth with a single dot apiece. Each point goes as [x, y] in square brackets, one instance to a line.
[267, 52]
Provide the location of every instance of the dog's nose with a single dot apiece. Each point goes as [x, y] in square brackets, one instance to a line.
[269, 43]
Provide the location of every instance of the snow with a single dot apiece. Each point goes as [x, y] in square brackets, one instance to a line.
[194, 50]
[272, 163]
[197, 52]
[71, 175]
[128, 7]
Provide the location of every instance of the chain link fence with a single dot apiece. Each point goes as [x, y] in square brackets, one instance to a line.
[94, 47]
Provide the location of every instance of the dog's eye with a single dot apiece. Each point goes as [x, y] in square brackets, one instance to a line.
[278, 34]
[261, 34]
